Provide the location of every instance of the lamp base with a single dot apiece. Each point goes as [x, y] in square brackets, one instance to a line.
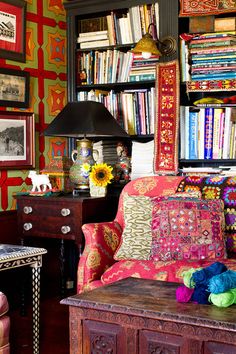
[77, 192]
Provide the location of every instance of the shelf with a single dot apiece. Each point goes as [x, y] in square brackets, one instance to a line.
[117, 85]
[206, 161]
[112, 47]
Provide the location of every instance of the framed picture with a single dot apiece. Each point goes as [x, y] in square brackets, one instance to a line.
[14, 88]
[13, 29]
[17, 140]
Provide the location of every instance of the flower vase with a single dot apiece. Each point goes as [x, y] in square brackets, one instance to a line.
[97, 191]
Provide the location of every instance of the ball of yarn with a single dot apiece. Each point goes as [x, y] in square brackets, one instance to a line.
[225, 299]
[202, 277]
[201, 295]
[222, 282]
[187, 277]
[184, 294]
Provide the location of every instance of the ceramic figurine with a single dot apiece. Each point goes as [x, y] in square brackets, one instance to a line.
[39, 181]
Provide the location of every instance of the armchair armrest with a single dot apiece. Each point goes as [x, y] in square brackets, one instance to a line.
[101, 242]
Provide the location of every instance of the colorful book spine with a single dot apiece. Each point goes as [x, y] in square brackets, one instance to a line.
[207, 44]
[201, 133]
[227, 130]
[216, 132]
[209, 124]
[193, 135]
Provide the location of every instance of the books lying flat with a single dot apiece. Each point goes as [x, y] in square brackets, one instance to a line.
[94, 44]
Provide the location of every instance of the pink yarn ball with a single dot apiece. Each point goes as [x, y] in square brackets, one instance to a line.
[184, 294]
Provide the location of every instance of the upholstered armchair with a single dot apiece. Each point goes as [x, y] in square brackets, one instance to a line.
[102, 239]
[103, 262]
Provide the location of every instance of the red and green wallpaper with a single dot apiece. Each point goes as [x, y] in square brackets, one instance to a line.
[46, 63]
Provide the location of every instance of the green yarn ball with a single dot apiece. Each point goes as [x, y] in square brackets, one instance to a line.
[187, 277]
[225, 299]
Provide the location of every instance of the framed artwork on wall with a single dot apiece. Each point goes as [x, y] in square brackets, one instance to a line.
[14, 88]
[13, 30]
[17, 140]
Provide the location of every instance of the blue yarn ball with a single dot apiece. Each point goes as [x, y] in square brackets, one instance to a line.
[200, 295]
[202, 277]
[222, 282]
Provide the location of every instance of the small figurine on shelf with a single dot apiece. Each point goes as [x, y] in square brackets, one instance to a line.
[123, 166]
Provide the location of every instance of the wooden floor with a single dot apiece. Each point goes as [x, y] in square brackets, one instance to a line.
[54, 331]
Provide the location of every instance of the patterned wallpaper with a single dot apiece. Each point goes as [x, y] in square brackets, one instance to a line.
[46, 63]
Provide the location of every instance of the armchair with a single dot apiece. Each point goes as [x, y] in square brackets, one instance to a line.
[97, 265]
[4, 325]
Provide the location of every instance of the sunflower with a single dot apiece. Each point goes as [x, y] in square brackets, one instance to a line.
[101, 174]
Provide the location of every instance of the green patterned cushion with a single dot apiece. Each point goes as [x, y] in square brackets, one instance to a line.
[137, 235]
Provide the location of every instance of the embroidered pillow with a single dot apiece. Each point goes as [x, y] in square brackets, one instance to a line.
[137, 234]
[187, 228]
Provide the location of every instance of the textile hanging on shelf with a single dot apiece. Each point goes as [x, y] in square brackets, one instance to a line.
[204, 8]
[167, 118]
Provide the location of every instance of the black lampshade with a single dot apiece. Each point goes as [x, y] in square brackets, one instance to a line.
[85, 118]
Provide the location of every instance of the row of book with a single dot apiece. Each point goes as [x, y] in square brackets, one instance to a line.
[210, 56]
[133, 109]
[119, 27]
[111, 66]
[207, 133]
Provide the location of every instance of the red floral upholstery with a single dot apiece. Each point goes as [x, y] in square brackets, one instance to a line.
[97, 265]
[4, 325]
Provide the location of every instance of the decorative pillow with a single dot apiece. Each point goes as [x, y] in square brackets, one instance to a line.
[137, 234]
[187, 228]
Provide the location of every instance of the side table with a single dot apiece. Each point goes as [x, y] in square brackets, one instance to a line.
[14, 256]
[61, 217]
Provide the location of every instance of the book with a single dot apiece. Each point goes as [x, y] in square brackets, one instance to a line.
[193, 135]
[208, 140]
[216, 132]
[186, 132]
[227, 129]
[210, 44]
[225, 24]
[95, 37]
[94, 44]
[201, 133]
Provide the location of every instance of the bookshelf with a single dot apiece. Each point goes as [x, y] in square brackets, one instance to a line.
[208, 127]
[120, 93]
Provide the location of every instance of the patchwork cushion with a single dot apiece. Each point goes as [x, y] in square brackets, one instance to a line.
[137, 234]
[187, 228]
[217, 187]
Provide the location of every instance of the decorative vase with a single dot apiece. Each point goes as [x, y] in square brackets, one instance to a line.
[97, 191]
[82, 162]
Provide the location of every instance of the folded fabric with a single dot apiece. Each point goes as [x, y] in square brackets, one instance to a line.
[222, 282]
[202, 277]
[225, 299]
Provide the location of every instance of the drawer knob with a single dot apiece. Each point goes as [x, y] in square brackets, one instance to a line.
[65, 229]
[27, 226]
[27, 209]
[65, 212]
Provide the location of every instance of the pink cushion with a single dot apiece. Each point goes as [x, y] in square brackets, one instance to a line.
[187, 228]
[4, 306]
[4, 333]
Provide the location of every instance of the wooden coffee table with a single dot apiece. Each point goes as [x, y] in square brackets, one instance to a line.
[139, 316]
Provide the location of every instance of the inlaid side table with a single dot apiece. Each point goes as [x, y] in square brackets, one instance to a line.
[14, 256]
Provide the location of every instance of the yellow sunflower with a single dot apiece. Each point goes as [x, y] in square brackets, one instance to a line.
[101, 174]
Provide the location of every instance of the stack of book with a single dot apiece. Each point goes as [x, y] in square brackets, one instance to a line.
[208, 133]
[107, 152]
[142, 159]
[93, 39]
[213, 56]
[143, 69]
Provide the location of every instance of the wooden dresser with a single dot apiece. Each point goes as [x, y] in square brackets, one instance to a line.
[61, 217]
[140, 316]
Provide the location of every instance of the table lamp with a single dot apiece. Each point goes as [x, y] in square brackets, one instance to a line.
[84, 119]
